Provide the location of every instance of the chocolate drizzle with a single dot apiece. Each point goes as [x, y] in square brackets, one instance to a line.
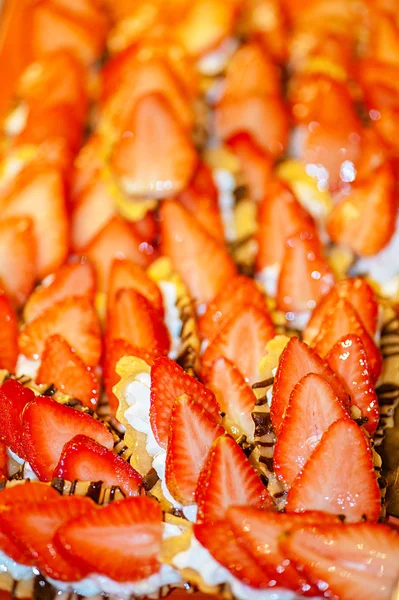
[42, 589]
[94, 491]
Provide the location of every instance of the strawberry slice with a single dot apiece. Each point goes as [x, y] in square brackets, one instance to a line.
[34, 530]
[236, 399]
[296, 361]
[313, 407]
[338, 478]
[365, 220]
[125, 274]
[305, 275]
[242, 340]
[192, 433]
[13, 399]
[359, 293]
[75, 278]
[348, 359]
[133, 319]
[342, 320]
[17, 258]
[8, 335]
[83, 459]
[237, 292]
[121, 540]
[280, 217]
[47, 426]
[228, 479]
[62, 367]
[94, 204]
[354, 562]
[3, 461]
[159, 160]
[168, 382]
[73, 318]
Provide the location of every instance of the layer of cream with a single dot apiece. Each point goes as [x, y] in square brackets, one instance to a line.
[14, 465]
[214, 62]
[226, 184]
[172, 316]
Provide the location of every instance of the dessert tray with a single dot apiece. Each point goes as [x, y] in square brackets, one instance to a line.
[199, 299]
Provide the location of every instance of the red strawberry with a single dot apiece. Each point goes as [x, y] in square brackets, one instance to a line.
[365, 220]
[242, 340]
[133, 319]
[13, 399]
[348, 360]
[94, 206]
[3, 462]
[121, 540]
[305, 275]
[62, 367]
[236, 293]
[125, 274]
[296, 361]
[75, 320]
[338, 477]
[168, 382]
[47, 426]
[34, 529]
[352, 562]
[313, 407]
[75, 278]
[359, 293]
[8, 335]
[85, 460]
[228, 479]
[342, 320]
[17, 258]
[186, 243]
[192, 432]
[235, 397]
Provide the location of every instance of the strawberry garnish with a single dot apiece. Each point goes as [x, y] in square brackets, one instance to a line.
[13, 399]
[186, 243]
[313, 407]
[84, 459]
[47, 426]
[8, 335]
[192, 432]
[17, 258]
[125, 274]
[3, 462]
[168, 382]
[228, 479]
[121, 540]
[331, 483]
[94, 205]
[296, 361]
[74, 319]
[62, 367]
[348, 359]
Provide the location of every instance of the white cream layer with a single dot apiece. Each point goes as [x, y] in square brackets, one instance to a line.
[172, 316]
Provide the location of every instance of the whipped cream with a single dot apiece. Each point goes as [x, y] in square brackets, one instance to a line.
[14, 465]
[14, 569]
[226, 185]
[214, 62]
[172, 316]
[268, 278]
[16, 120]
[27, 366]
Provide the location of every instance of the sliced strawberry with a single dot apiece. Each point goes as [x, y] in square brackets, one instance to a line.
[93, 208]
[168, 382]
[280, 217]
[236, 398]
[13, 399]
[34, 531]
[3, 460]
[339, 477]
[342, 319]
[125, 274]
[121, 540]
[192, 432]
[47, 426]
[237, 292]
[75, 320]
[365, 220]
[359, 293]
[348, 359]
[62, 367]
[186, 243]
[8, 335]
[133, 319]
[85, 460]
[75, 278]
[296, 361]
[228, 479]
[305, 275]
[353, 562]
[17, 258]
[313, 407]
[242, 340]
